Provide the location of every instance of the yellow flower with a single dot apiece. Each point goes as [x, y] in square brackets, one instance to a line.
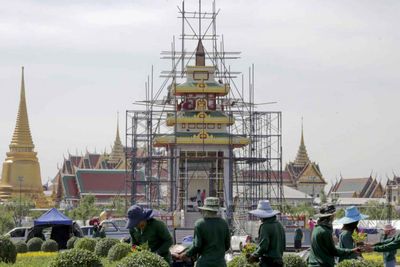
[36, 254]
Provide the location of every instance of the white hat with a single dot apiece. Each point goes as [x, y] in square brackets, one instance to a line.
[264, 210]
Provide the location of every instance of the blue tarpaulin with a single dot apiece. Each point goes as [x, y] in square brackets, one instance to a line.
[52, 216]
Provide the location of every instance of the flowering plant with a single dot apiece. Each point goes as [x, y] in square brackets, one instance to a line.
[142, 247]
[359, 236]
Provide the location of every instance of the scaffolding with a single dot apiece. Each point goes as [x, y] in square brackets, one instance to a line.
[254, 171]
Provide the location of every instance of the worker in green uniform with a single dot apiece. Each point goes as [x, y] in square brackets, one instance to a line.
[143, 229]
[389, 258]
[211, 237]
[298, 237]
[350, 224]
[271, 237]
[323, 250]
[389, 246]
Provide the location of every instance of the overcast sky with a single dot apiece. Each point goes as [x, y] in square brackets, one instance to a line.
[335, 63]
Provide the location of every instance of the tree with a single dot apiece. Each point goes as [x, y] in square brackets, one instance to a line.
[6, 220]
[377, 210]
[302, 208]
[85, 210]
[18, 208]
[117, 206]
[322, 196]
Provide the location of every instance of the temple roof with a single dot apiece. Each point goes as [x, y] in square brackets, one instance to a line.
[302, 156]
[22, 139]
[101, 181]
[360, 187]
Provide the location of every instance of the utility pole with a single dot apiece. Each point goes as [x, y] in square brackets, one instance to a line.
[20, 179]
[389, 203]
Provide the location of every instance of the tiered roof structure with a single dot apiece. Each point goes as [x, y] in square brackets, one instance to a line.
[302, 173]
[102, 175]
[363, 187]
[199, 119]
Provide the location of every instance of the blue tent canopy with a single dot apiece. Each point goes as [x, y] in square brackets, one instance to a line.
[52, 216]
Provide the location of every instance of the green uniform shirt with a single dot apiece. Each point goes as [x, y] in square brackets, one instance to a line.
[272, 239]
[388, 245]
[211, 240]
[346, 241]
[156, 235]
[298, 234]
[389, 255]
[323, 250]
[101, 233]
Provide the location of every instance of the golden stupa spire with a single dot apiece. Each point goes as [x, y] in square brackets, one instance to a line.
[117, 152]
[302, 156]
[22, 139]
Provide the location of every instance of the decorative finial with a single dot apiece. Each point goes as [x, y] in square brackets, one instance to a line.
[200, 55]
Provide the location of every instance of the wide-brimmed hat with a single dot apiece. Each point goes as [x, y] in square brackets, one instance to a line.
[388, 227]
[326, 210]
[211, 204]
[351, 215]
[264, 210]
[137, 214]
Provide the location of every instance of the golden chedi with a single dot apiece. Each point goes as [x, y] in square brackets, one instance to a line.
[21, 170]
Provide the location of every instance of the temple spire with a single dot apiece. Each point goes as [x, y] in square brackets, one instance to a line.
[200, 54]
[117, 138]
[302, 156]
[117, 152]
[22, 139]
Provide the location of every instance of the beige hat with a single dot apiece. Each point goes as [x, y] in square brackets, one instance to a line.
[388, 227]
[211, 204]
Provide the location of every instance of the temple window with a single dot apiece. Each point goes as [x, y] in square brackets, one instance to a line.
[191, 126]
[219, 125]
[211, 126]
[183, 125]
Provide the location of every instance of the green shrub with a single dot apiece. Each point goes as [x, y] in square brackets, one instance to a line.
[85, 243]
[104, 245]
[119, 251]
[143, 259]
[241, 261]
[50, 245]
[71, 242]
[359, 263]
[292, 260]
[21, 246]
[35, 244]
[8, 252]
[76, 258]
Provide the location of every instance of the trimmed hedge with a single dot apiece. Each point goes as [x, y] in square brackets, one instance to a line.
[119, 251]
[21, 246]
[292, 260]
[71, 242]
[359, 263]
[85, 243]
[104, 245]
[8, 251]
[76, 258]
[50, 245]
[35, 244]
[241, 261]
[143, 258]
